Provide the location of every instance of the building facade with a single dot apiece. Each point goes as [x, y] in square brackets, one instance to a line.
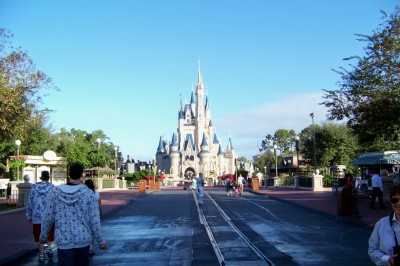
[195, 147]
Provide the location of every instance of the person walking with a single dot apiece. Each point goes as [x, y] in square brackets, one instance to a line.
[194, 186]
[35, 208]
[249, 179]
[377, 189]
[75, 211]
[228, 186]
[9, 190]
[200, 188]
[89, 183]
[383, 244]
[240, 182]
[235, 189]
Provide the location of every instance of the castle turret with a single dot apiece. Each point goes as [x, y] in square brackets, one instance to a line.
[204, 156]
[160, 153]
[174, 156]
[230, 157]
[220, 160]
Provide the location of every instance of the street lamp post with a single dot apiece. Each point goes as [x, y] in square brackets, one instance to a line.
[17, 144]
[268, 162]
[315, 153]
[116, 156]
[266, 177]
[98, 140]
[297, 141]
[290, 166]
[276, 162]
[154, 170]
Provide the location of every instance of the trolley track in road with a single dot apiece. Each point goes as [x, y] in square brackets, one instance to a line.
[231, 245]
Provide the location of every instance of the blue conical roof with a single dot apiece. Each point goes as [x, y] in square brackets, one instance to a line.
[215, 140]
[160, 145]
[204, 141]
[230, 146]
[189, 141]
[219, 150]
[174, 140]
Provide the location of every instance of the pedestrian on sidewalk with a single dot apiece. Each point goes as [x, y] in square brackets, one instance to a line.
[384, 242]
[200, 188]
[89, 183]
[35, 208]
[241, 181]
[9, 190]
[75, 211]
[377, 189]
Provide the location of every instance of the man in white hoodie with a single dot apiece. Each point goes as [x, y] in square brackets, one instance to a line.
[35, 209]
[75, 211]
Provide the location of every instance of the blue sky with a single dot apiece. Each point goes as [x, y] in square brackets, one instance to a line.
[121, 66]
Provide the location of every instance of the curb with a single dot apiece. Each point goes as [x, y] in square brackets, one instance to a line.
[12, 210]
[14, 259]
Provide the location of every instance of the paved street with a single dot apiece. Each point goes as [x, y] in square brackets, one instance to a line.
[167, 228]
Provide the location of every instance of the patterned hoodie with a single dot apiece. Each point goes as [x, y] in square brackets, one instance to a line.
[37, 201]
[75, 212]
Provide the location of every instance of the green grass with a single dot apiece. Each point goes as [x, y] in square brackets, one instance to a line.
[6, 207]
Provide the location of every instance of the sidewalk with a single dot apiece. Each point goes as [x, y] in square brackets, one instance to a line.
[16, 232]
[326, 202]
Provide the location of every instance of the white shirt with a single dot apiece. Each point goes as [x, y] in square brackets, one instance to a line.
[381, 242]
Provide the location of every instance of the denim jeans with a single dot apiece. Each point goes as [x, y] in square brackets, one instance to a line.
[201, 194]
[73, 257]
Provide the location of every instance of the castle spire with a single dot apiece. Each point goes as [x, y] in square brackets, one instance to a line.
[199, 81]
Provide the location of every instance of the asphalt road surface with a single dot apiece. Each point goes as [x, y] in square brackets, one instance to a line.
[169, 228]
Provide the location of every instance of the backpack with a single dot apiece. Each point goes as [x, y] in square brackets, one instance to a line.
[244, 181]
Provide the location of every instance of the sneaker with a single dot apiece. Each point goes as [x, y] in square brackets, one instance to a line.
[41, 258]
[49, 253]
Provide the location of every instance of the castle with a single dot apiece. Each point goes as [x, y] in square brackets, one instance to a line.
[195, 148]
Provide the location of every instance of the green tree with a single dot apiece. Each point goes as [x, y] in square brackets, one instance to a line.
[81, 146]
[40, 138]
[284, 139]
[22, 88]
[368, 94]
[335, 144]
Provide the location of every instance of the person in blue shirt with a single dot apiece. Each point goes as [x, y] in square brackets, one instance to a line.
[200, 188]
[383, 245]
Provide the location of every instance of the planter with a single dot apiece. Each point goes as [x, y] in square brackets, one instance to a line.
[151, 185]
[157, 185]
[255, 184]
[142, 186]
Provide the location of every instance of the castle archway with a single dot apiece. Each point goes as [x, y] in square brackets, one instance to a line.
[190, 173]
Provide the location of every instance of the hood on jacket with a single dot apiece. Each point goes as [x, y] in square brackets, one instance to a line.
[43, 187]
[70, 194]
